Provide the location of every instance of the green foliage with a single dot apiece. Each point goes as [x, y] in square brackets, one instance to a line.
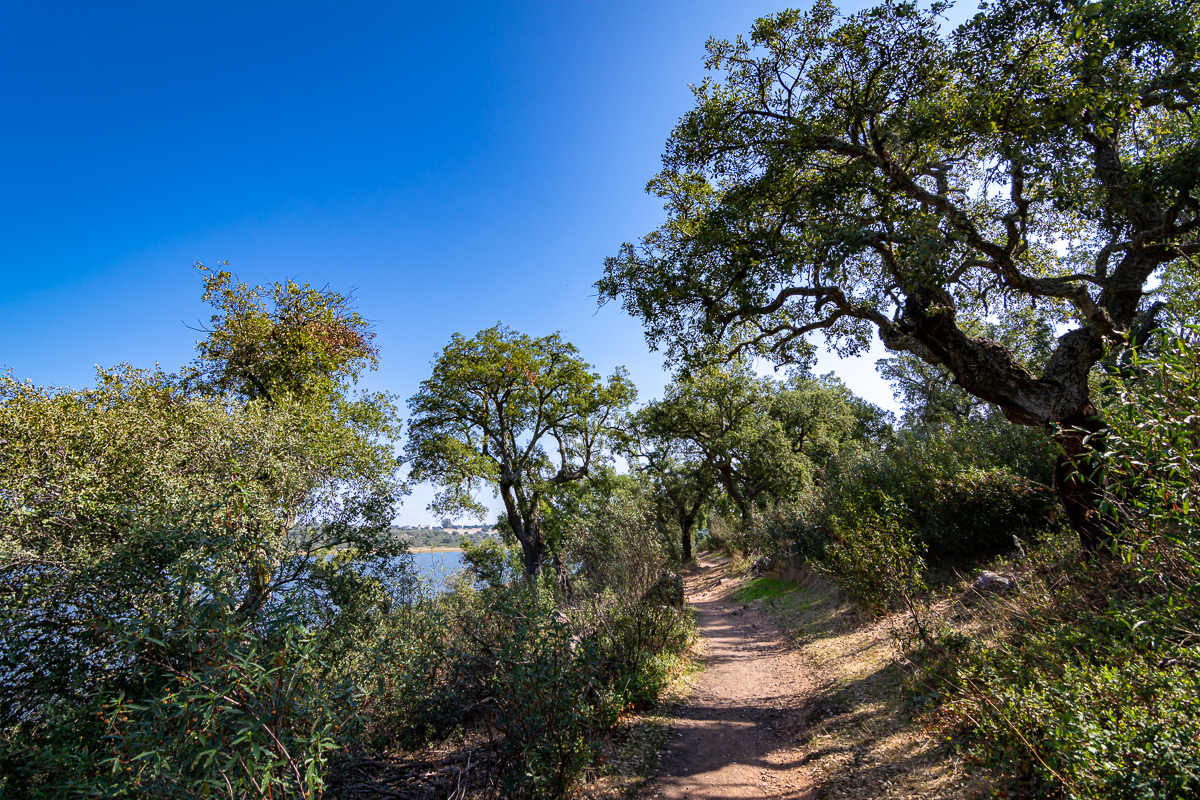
[969, 488]
[1081, 711]
[1153, 449]
[242, 716]
[518, 414]
[546, 678]
[681, 473]
[875, 559]
[1095, 694]
[544, 667]
[537, 686]
[188, 564]
[759, 438]
[490, 562]
[979, 512]
[286, 341]
[965, 489]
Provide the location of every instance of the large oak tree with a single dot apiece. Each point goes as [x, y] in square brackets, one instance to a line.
[872, 173]
[523, 415]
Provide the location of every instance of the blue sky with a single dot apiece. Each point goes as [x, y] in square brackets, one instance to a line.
[457, 164]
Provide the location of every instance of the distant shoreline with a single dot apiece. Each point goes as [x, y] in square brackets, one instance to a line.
[435, 549]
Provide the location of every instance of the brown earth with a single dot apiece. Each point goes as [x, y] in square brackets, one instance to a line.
[737, 734]
[804, 697]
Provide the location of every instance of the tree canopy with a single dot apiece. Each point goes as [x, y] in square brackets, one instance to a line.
[869, 173]
[519, 414]
[281, 341]
[759, 437]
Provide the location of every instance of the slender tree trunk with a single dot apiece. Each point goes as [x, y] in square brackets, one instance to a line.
[685, 524]
[527, 532]
[258, 579]
[563, 579]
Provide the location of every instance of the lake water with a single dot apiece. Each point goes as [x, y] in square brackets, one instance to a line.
[435, 566]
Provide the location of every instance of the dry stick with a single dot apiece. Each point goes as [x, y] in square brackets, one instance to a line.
[1032, 749]
[249, 776]
[227, 783]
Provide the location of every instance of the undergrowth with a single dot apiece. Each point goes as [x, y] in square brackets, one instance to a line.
[1093, 689]
[1084, 683]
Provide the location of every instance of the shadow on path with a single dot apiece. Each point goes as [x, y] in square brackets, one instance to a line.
[736, 736]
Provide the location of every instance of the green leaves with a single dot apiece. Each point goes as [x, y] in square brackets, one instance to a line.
[759, 438]
[280, 342]
[164, 563]
[870, 173]
[1153, 449]
[522, 415]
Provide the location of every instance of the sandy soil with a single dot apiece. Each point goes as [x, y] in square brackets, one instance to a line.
[736, 735]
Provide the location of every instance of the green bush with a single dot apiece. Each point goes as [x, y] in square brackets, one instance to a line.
[543, 702]
[1102, 724]
[547, 666]
[245, 717]
[548, 681]
[875, 559]
[978, 512]
[1096, 693]
[206, 705]
[639, 645]
[963, 499]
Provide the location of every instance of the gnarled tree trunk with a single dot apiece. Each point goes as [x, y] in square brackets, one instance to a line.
[1058, 401]
[1079, 481]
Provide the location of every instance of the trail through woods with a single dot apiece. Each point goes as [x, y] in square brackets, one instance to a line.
[737, 734]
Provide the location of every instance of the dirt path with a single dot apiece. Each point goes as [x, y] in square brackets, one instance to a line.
[736, 736]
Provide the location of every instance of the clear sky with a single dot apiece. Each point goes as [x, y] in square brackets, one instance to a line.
[458, 164]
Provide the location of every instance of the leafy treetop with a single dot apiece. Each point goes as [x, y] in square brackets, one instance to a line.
[868, 173]
[285, 340]
[523, 415]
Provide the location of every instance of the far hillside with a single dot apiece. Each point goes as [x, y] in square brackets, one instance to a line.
[418, 538]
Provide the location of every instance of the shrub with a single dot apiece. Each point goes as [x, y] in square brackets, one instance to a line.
[247, 717]
[977, 512]
[1096, 692]
[205, 705]
[962, 500]
[875, 559]
[1101, 724]
[639, 645]
[548, 673]
[541, 697]
[548, 680]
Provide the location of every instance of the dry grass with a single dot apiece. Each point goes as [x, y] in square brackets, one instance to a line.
[861, 736]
